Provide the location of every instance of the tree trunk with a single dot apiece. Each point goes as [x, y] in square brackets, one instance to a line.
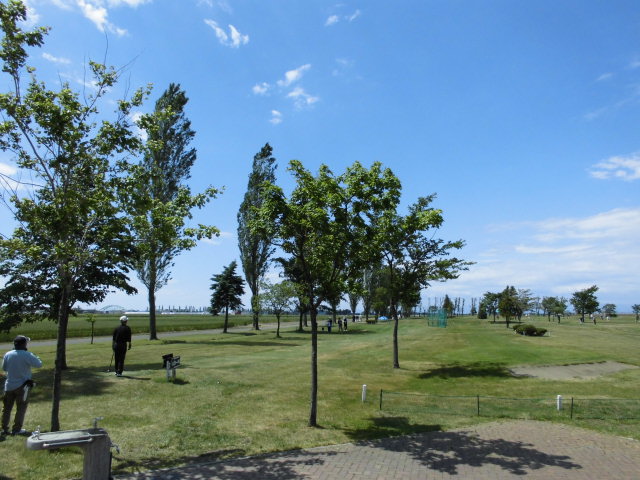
[153, 334]
[226, 319]
[313, 412]
[396, 361]
[255, 309]
[300, 329]
[278, 327]
[60, 361]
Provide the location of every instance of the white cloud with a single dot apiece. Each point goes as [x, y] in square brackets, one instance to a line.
[221, 4]
[53, 59]
[90, 84]
[32, 15]
[635, 63]
[261, 88]
[276, 117]
[625, 168]
[10, 180]
[6, 169]
[130, 3]
[302, 98]
[234, 39]
[353, 16]
[332, 20]
[219, 239]
[293, 75]
[64, 4]
[96, 12]
[604, 76]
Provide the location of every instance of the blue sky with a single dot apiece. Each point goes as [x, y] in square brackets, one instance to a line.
[522, 116]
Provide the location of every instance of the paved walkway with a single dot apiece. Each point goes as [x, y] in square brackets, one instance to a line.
[494, 451]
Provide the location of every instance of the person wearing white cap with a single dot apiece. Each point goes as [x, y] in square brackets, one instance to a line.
[17, 363]
[121, 336]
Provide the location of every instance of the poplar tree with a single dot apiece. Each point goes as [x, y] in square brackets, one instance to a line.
[160, 202]
[255, 247]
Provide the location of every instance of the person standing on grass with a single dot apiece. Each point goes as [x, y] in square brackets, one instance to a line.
[17, 363]
[121, 337]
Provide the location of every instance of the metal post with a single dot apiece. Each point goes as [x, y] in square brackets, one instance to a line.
[571, 408]
[478, 403]
[380, 399]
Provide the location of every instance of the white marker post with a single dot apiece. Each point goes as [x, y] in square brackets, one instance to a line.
[559, 402]
[364, 393]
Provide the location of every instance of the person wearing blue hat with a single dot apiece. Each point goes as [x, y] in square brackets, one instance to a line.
[17, 363]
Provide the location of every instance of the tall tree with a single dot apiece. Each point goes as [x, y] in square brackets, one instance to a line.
[548, 304]
[585, 301]
[447, 306]
[526, 302]
[509, 304]
[255, 247]
[70, 241]
[490, 301]
[278, 298]
[411, 256]
[609, 309]
[228, 288]
[321, 226]
[159, 200]
[636, 309]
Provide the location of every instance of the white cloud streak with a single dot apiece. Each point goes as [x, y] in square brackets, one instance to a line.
[54, 59]
[219, 239]
[261, 88]
[625, 168]
[334, 19]
[233, 39]
[276, 117]
[294, 75]
[301, 98]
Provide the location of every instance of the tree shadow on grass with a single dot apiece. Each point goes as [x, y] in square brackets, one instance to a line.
[446, 452]
[231, 339]
[383, 427]
[334, 331]
[275, 466]
[479, 369]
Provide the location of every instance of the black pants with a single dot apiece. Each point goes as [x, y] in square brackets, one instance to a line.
[120, 351]
[10, 398]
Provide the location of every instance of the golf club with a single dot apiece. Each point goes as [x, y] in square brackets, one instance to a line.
[109, 369]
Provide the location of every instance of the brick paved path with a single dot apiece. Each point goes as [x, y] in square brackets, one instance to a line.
[494, 451]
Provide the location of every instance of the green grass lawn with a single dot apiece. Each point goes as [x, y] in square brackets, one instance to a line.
[245, 393]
